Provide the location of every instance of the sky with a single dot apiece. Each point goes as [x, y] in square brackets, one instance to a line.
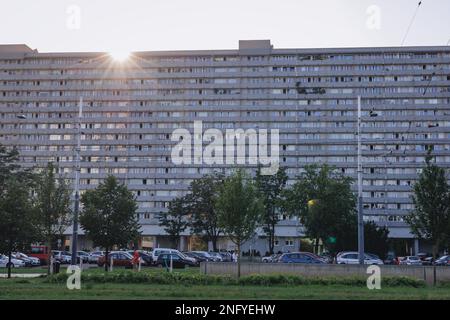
[149, 25]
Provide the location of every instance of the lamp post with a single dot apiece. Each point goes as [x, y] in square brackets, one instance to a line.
[77, 186]
[360, 204]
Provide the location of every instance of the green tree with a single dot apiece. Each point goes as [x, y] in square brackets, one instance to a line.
[53, 206]
[109, 215]
[270, 188]
[203, 214]
[8, 164]
[175, 219]
[239, 209]
[323, 200]
[430, 219]
[17, 216]
[376, 239]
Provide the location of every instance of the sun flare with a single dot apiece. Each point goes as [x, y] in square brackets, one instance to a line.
[119, 56]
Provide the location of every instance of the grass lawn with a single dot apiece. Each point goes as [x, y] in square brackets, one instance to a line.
[37, 289]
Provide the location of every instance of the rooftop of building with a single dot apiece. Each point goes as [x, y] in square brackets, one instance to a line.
[245, 47]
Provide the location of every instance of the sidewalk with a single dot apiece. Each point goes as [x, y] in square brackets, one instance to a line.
[22, 275]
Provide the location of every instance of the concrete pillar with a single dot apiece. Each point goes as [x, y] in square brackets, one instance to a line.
[416, 246]
[182, 243]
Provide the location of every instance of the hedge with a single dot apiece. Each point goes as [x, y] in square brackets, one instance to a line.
[176, 278]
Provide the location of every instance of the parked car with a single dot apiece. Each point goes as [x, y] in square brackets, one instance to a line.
[411, 261]
[146, 258]
[352, 258]
[15, 263]
[197, 257]
[120, 259]
[178, 261]
[157, 251]
[326, 257]
[300, 257]
[40, 252]
[390, 259]
[84, 256]
[226, 256]
[272, 258]
[206, 255]
[216, 255]
[93, 256]
[29, 261]
[443, 261]
[62, 257]
[426, 258]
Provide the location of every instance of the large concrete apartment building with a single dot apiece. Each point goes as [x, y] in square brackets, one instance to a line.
[131, 108]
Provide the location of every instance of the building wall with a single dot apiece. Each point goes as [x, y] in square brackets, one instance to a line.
[130, 110]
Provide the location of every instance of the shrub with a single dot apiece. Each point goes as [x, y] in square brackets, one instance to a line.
[177, 278]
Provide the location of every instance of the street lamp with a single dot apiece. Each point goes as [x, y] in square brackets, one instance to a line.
[361, 254]
[360, 204]
[77, 186]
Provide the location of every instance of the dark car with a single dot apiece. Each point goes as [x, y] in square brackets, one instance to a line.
[300, 257]
[443, 261]
[226, 256]
[204, 255]
[120, 259]
[177, 261]
[197, 257]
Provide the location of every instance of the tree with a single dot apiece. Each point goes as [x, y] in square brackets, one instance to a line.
[323, 200]
[17, 216]
[175, 220]
[203, 214]
[53, 206]
[109, 215]
[8, 164]
[430, 219]
[270, 189]
[376, 239]
[17, 219]
[239, 209]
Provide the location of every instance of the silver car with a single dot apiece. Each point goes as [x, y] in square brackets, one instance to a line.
[93, 256]
[411, 261]
[352, 258]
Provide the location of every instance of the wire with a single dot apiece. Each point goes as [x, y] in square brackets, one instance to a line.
[411, 22]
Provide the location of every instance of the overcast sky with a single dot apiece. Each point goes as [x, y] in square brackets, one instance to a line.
[141, 25]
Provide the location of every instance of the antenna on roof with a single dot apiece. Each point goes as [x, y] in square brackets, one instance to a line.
[412, 21]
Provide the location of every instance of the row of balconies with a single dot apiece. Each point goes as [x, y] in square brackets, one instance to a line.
[299, 61]
[245, 85]
[218, 97]
[142, 74]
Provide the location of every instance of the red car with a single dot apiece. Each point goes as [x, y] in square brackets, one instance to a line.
[40, 252]
[120, 259]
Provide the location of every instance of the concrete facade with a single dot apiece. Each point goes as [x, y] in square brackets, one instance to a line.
[130, 110]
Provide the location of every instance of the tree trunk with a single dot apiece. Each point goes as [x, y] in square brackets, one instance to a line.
[271, 238]
[435, 249]
[239, 259]
[106, 259]
[214, 243]
[9, 258]
[49, 255]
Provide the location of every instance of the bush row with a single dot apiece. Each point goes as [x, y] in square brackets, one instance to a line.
[256, 279]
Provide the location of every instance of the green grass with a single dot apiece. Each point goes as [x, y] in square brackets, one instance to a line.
[38, 289]
[184, 284]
